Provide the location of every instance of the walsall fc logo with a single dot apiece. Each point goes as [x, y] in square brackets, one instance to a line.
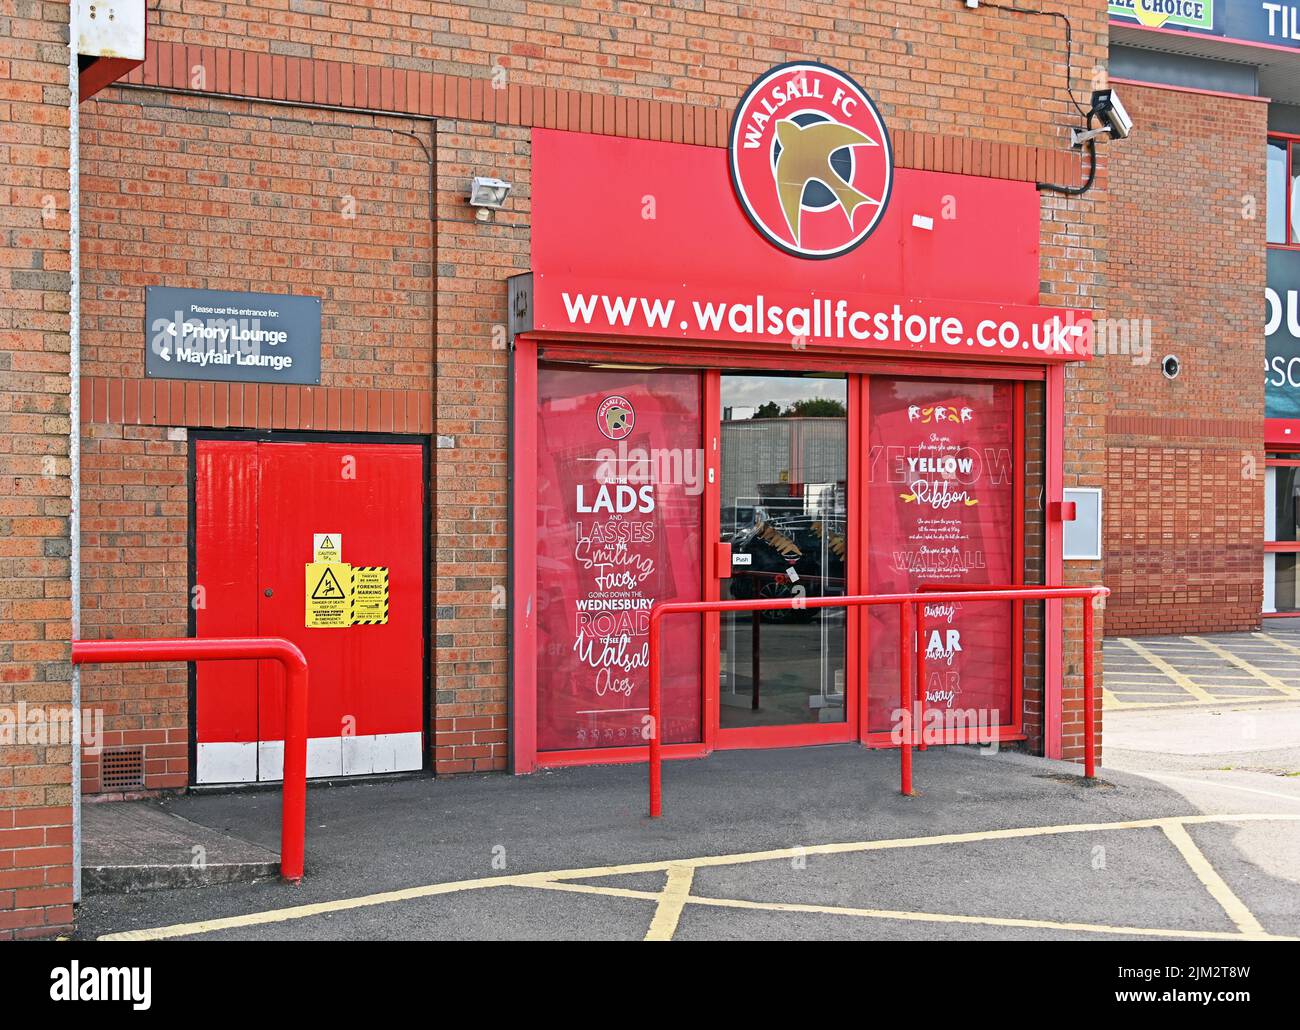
[615, 417]
[810, 160]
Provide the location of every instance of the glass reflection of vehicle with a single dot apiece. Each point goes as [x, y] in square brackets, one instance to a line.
[811, 546]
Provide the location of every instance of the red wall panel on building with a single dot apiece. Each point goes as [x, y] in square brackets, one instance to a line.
[258, 507]
[983, 246]
[952, 262]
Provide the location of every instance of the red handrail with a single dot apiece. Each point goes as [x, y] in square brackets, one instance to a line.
[907, 639]
[293, 813]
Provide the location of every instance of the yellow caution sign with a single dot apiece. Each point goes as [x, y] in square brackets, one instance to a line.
[327, 547]
[369, 595]
[329, 595]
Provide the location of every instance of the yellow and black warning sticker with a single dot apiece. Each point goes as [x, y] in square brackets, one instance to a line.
[329, 595]
[369, 595]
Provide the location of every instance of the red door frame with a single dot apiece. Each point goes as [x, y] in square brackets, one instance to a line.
[1279, 546]
[710, 360]
[715, 737]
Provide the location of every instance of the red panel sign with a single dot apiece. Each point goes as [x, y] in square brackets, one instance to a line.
[654, 244]
[620, 483]
[941, 481]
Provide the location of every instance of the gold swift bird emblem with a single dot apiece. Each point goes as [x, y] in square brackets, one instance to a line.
[805, 155]
[616, 418]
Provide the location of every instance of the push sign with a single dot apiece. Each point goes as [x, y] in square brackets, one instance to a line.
[238, 337]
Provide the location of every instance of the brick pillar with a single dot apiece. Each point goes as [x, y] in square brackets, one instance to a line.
[474, 258]
[35, 617]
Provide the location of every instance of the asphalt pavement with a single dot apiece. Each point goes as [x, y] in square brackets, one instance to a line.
[808, 843]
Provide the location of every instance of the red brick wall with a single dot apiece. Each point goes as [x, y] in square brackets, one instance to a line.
[35, 771]
[232, 195]
[1075, 242]
[933, 65]
[134, 584]
[1183, 536]
[1184, 518]
[227, 194]
[474, 259]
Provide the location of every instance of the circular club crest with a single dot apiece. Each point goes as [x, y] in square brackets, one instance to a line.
[810, 160]
[615, 417]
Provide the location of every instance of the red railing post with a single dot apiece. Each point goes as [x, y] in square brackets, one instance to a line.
[909, 635]
[920, 675]
[293, 812]
[656, 705]
[1089, 729]
[905, 694]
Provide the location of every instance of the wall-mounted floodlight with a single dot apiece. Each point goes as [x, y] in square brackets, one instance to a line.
[488, 195]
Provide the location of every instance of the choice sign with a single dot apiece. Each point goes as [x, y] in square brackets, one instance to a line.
[810, 160]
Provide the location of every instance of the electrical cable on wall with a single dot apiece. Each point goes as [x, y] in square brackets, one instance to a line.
[1090, 145]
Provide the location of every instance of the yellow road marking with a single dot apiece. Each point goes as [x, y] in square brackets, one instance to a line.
[907, 916]
[1291, 648]
[1220, 701]
[671, 901]
[1147, 693]
[280, 915]
[943, 917]
[1217, 697]
[591, 888]
[542, 879]
[1241, 663]
[1194, 689]
[1214, 883]
[1214, 678]
[1123, 673]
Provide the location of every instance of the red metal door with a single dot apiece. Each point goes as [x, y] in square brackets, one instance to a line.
[225, 604]
[366, 681]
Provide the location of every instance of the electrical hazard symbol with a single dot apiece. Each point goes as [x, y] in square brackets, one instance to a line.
[329, 595]
[369, 595]
[328, 588]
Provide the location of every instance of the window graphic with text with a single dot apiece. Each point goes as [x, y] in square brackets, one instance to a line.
[941, 481]
[619, 509]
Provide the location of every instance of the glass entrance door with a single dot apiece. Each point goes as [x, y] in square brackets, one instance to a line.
[784, 446]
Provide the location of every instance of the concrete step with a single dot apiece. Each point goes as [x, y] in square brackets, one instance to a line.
[139, 846]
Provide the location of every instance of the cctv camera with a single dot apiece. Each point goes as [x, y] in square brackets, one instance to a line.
[1106, 106]
[1106, 109]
